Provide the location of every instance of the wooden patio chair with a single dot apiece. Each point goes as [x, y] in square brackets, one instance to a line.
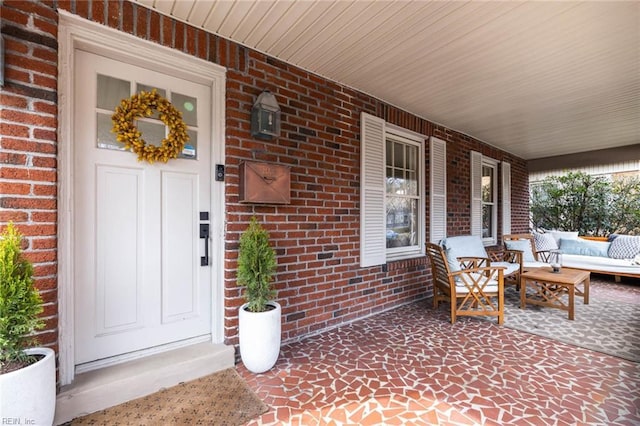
[469, 250]
[526, 244]
[531, 256]
[475, 291]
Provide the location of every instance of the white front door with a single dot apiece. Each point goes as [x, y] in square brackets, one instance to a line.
[139, 283]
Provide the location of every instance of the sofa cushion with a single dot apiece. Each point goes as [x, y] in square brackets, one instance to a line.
[625, 247]
[568, 235]
[544, 242]
[601, 264]
[523, 246]
[585, 247]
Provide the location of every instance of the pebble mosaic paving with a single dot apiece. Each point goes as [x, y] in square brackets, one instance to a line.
[410, 366]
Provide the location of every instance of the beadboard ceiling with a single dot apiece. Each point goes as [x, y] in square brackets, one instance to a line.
[537, 79]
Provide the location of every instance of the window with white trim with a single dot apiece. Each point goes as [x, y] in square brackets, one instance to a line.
[489, 201]
[484, 198]
[392, 192]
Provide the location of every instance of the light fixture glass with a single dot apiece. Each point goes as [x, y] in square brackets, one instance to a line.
[265, 117]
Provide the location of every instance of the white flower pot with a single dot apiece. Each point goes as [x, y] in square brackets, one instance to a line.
[259, 338]
[29, 394]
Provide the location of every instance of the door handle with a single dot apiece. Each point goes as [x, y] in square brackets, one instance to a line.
[204, 233]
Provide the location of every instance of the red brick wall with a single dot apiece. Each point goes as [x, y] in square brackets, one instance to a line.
[28, 123]
[319, 281]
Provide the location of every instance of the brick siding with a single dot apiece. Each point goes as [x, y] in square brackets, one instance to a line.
[319, 281]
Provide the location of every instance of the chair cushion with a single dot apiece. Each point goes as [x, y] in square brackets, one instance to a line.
[523, 246]
[625, 247]
[452, 260]
[461, 288]
[465, 246]
[544, 242]
[510, 268]
[584, 247]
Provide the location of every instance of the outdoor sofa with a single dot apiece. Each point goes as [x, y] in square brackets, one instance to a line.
[617, 255]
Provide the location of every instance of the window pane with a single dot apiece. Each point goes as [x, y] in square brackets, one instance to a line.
[399, 183]
[398, 155]
[487, 184]
[389, 160]
[389, 180]
[412, 183]
[111, 91]
[402, 222]
[188, 106]
[487, 221]
[412, 158]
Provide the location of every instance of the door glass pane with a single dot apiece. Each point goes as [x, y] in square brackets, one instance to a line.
[111, 91]
[106, 138]
[191, 147]
[188, 106]
[145, 87]
[152, 132]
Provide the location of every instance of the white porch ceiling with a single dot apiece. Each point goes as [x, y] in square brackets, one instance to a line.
[537, 79]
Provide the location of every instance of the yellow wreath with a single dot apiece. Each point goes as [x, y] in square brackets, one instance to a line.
[142, 105]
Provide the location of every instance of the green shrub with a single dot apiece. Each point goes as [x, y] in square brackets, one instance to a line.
[20, 302]
[256, 266]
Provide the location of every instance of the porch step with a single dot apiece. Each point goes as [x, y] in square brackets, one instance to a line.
[99, 389]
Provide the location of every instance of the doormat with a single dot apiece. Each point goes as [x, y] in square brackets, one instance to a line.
[222, 398]
[610, 323]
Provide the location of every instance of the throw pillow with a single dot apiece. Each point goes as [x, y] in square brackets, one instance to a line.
[625, 247]
[544, 242]
[585, 247]
[523, 246]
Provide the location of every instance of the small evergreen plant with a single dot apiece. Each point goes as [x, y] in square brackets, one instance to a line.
[20, 302]
[256, 266]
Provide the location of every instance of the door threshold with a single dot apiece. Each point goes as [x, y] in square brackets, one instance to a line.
[99, 389]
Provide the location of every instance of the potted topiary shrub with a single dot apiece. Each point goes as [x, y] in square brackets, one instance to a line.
[27, 375]
[259, 318]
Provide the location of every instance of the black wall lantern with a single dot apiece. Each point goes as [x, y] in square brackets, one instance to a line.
[265, 117]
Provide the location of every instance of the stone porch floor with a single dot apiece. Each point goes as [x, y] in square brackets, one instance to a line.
[411, 366]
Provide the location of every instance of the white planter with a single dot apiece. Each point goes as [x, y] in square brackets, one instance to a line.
[29, 394]
[259, 338]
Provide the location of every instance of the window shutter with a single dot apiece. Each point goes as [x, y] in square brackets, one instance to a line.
[438, 189]
[476, 194]
[372, 191]
[506, 198]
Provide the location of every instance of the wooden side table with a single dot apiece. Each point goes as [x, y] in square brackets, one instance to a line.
[550, 286]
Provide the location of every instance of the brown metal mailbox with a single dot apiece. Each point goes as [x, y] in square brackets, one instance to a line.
[265, 183]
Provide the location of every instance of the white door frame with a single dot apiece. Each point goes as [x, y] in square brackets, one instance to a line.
[77, 33]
